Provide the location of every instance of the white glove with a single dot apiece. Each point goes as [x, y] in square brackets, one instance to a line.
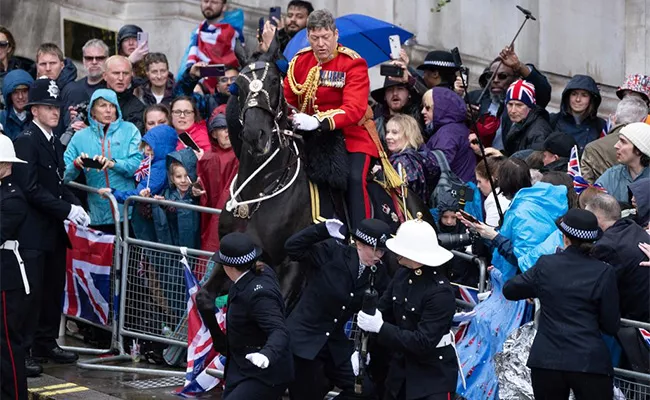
[78, 215]
[305, 122]
[259, 359]
[355, 362]
[334, 228]
[370, 323]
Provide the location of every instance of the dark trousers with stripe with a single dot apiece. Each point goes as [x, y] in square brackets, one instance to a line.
[357, 194]
[13, 382]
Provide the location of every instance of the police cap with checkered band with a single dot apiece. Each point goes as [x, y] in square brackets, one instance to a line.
[580, 224]
[237, 249]
[372, 232]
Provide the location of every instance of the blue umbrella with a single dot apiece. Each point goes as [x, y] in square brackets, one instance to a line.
[366, 35]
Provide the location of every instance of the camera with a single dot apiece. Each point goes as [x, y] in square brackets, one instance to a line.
[82, 115]
[452, 241]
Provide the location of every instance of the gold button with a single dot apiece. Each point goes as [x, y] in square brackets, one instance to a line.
[327, 333]
[343, 308]
[351, 294]
[410, 281]
[404, 317]
[418, 272]
[413, 309]
[394, 298]
[405, 299]
[336, 320]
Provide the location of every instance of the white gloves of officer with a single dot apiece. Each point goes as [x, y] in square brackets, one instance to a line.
[370, 323]
[78, 215]
[305, 122]
[334, 228]
[355, 362]
[259, 359]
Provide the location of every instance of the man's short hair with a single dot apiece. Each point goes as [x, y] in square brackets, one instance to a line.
[631, 109]
[110, 60]
[49, 48]
[606, 206]
[153, 58]
[321, 19]
[95, 43]
[301, 4]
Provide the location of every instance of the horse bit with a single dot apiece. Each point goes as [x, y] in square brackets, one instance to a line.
[240, 209]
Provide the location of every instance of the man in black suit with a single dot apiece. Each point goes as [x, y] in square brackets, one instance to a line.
[43, 236]
[333, 294]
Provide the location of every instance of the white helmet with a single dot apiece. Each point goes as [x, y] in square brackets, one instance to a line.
[7, 152]
[417, 240]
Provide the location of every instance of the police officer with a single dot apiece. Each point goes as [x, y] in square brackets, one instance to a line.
[333, 294]
[414, 316]
[259, 363]
[43, 235]
[13, 281]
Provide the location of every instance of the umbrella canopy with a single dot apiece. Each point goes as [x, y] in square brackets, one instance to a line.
[366, 35]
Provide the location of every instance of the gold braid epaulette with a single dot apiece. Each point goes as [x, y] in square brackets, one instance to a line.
[307, 90]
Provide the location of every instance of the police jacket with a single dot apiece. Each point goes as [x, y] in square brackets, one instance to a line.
[619, 247]
[255, 324]
[579, 301]
[418, 312]
[41, 181]
[333, 294]
[13, 211]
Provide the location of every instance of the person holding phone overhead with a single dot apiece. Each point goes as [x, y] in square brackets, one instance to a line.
[185, 119]
[107, 154]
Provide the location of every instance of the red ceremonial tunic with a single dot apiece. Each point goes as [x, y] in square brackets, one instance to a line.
[341, 100]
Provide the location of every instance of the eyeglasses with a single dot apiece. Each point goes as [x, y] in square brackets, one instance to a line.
[225, 79]
[4, 43]
[178, 113]
[92, 59]
[503, 76]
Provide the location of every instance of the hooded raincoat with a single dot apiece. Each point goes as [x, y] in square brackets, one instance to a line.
[591, 127]
[118, 141]
[450, 134]
[10, 122]
[528, 223]
[421, 168]
[640, 189]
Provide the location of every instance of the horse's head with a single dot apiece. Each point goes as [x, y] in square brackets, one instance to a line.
[261, 104]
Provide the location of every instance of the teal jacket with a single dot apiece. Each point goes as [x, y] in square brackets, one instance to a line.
[120, 142]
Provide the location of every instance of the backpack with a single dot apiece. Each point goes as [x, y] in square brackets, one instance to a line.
[449, 182]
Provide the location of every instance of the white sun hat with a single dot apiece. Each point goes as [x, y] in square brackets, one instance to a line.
[417, 240]
[7, 152]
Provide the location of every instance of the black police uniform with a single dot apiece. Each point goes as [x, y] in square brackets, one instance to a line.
[255, 324]
[417, 309]
[333, 294]
[43, 236]
[579, 301]
[13, 212]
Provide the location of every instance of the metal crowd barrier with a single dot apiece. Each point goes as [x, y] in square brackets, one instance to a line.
[482, 267]
[633, 385]
[116, 343]
[153, 293]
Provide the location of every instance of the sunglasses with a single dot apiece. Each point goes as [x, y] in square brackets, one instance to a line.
[503, 76]
[4, 43]
[91, 58]
[473, 141]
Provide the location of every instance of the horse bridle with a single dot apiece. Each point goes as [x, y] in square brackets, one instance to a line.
[256, 86]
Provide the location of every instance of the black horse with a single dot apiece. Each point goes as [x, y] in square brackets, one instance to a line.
[270, 197]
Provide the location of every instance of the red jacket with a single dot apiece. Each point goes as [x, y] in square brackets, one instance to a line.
[199, 133]
[341, 99]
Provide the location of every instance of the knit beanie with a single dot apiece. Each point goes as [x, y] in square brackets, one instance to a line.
[523, 91]
[638, 133]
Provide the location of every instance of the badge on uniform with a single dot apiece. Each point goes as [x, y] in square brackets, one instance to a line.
[332, 78]
[257, 287]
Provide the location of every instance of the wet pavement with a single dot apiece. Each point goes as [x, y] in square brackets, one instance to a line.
[69, 382]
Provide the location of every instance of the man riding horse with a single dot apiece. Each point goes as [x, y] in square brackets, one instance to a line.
[328, 85]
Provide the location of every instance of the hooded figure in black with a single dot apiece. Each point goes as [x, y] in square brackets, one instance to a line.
[578, 112]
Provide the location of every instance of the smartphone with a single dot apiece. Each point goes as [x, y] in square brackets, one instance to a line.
[143, 37]
[260, 29]
[391, 70]
[188, 141]
[212, 70]
[468, 216]
[395, 46]
[90, 163]
[275, 12]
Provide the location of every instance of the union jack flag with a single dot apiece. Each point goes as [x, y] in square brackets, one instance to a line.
[573, 168]
[522, 90]
[462, 319]
[143, 170]
[200, 353]
[88, 274]
[645, 335]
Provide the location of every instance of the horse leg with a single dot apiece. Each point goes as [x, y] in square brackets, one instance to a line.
[205, 300]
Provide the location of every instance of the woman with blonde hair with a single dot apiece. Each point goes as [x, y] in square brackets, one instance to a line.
[403, 140]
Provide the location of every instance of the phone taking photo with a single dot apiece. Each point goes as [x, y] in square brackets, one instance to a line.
[468, 216]
[395, 46]
[260, 29]
[90, 163]
[188, 141]
[275, 12]
[212, 70]
[143, 37]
